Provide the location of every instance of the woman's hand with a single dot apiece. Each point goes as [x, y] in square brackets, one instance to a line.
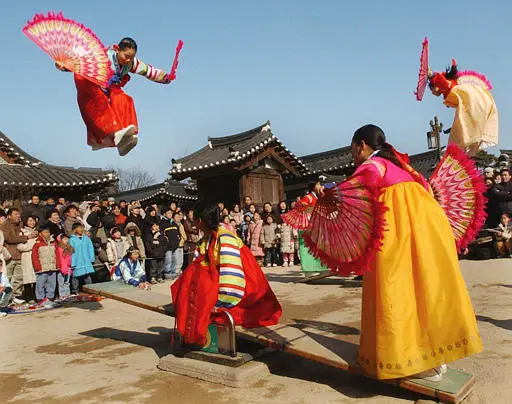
[319, 189]
[60, 66]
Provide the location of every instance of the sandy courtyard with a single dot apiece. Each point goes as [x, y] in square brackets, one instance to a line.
[107, 352]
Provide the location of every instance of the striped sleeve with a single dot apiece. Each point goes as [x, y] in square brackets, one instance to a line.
[231, 276]
[150, 72]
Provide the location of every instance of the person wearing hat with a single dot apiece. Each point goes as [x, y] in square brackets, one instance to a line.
[135, 215]
[488, 172]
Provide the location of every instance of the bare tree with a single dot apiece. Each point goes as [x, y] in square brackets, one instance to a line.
[134, 177]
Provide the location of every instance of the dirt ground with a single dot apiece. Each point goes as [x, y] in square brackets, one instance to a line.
[107, 352]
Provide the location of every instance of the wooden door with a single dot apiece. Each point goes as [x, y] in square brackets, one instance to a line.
[262, 185]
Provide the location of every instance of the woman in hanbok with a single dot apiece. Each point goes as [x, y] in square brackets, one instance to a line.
[109, 113]
[224, 276]
[416, 312]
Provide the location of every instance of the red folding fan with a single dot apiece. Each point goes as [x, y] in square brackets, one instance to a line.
[423, 73]
[346, 227]
[299, 217]
[71, 44]
[459, 189]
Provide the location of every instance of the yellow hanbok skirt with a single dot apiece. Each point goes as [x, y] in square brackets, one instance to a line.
[416, 311]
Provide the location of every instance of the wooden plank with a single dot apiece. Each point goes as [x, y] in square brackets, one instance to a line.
[136, 297]
[316, 277]
[319, 345]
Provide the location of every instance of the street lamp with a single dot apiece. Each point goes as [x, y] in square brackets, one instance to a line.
[433, 136]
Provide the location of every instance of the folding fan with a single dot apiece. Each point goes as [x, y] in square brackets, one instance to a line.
[299, 217]
[423, 73]
[72, 44]
[459, 189]
[474, 78]
[346, 227]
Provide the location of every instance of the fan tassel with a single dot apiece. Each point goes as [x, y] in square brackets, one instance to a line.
[172, 74]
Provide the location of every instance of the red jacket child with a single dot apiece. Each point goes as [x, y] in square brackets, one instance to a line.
[44, 256]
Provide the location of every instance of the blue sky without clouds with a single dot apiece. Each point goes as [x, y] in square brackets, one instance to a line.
[316, 69]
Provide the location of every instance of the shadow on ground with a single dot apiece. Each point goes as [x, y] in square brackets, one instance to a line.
[505, 324]
[158, 339]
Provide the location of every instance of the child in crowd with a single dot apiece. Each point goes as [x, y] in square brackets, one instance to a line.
[269, 237]
[504, 234]
[117, 246]
[244, 228]
[130, 271]
[45, 261]
[288, 237]
[254, 237]
[156, 247]
[82, 259]
[65, 255]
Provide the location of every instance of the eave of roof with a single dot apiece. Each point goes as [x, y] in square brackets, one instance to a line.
[26, 170]
[263, 135]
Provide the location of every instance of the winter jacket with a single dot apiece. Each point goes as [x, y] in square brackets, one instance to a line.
[129, 272]
[288, 236]
[149, 221]
[183, 235]
[254, 238]
[244, 231]
[64, 256]
[44, 255]
[112, 249]
[503, 193]
[4, 255]
[156, 245]
[13, 237]
[55, 229]
[172, 233]
[138, 220]
[269, 235]
[29, 275]
[135, 241]
[83, 255]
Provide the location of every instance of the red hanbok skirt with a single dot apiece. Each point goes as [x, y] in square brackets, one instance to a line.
[195, 293]
[104, 114]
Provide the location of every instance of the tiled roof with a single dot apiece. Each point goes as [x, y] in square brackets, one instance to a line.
[171, 188]
[340, 159]
[232, 150]
[21, 169]
[425, 162]
[327, 161]
[16, 154]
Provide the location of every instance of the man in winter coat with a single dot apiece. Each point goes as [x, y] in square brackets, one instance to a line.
[11, 229]
[71, 215]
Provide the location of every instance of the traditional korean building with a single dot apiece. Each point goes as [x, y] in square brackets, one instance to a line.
[258, 164]
[22, 175]
[249, 163]
[162, 194]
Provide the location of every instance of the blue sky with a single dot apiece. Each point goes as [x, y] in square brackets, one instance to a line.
[317, 70]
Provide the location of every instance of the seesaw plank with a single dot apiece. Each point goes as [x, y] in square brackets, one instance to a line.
[306, 342]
